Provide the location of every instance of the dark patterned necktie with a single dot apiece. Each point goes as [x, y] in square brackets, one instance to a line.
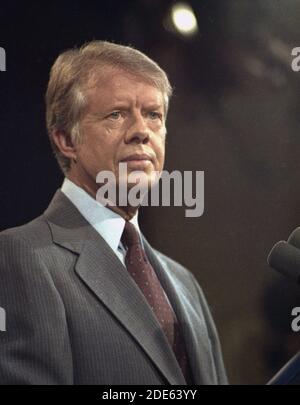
[145, 277]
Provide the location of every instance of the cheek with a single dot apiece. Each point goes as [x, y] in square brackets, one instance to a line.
[102, 143]
[162, 144]
[99, 154]
[160, 153]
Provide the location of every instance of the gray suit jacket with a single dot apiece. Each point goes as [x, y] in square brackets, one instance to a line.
[75, 316]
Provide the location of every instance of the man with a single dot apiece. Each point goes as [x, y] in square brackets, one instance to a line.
[87, 299]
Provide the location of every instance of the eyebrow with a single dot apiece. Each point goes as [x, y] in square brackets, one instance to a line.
[117, 106]
[154, 106]
[125, 106]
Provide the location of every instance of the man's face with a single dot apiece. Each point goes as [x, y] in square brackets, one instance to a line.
[124, 119]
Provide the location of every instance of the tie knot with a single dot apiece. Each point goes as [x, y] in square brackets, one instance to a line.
[130, 235]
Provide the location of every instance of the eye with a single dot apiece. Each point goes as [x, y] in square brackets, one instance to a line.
[155, 115]
[115, 115]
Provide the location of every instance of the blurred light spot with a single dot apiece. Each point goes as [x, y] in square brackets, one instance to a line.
[184, 19]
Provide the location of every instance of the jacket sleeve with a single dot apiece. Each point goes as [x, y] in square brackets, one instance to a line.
[213, 335]
[34, 347]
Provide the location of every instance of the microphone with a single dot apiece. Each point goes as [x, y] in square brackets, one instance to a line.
[289, 374]
[285, 257]
[294, 238]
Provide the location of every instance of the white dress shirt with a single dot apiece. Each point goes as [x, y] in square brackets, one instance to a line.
[106, 222]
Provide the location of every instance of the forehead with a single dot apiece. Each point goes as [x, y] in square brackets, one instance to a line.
[112, 85]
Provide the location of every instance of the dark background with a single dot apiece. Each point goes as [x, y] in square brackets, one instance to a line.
[235, 115]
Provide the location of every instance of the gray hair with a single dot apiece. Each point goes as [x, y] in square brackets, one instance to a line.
[65, 97]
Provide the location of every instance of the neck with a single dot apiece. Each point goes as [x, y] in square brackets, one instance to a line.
[126, 212]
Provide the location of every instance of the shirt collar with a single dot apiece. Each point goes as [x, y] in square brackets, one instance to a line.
[106, 222]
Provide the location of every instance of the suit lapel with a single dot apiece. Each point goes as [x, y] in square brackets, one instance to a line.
[102, 272]
[192, 323]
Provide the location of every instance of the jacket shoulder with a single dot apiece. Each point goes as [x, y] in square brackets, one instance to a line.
[33, 232]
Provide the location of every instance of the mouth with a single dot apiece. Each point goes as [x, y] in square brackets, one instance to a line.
[138, 161]
[138, 157]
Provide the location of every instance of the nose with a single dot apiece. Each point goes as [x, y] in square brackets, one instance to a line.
[138, 132]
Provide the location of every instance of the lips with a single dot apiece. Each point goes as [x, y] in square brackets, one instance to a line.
[137, 156]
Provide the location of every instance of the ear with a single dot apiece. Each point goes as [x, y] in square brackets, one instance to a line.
[64, 143]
